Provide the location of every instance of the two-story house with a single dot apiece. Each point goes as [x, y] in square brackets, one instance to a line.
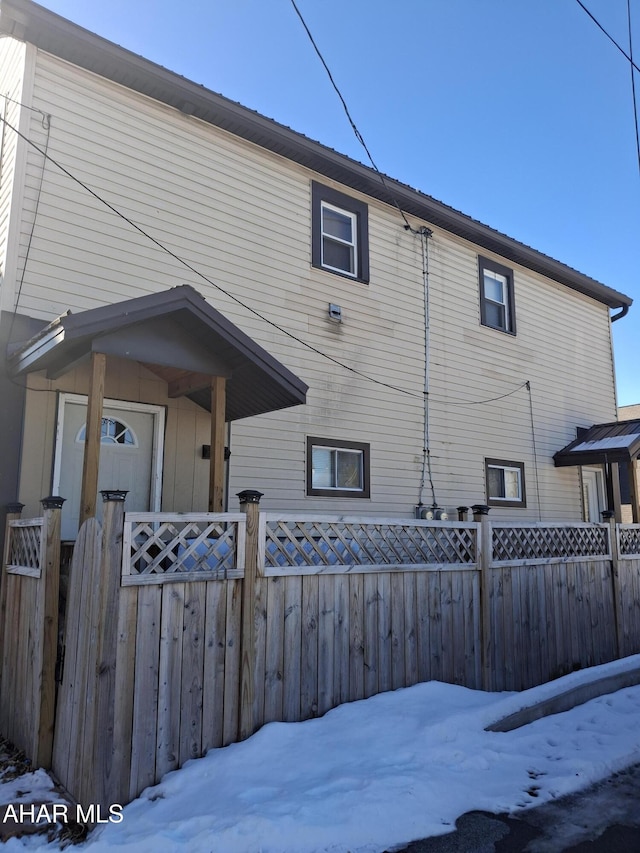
[446, 363]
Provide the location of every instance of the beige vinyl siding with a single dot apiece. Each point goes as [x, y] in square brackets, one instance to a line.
[12, 88]
[561, 348]
[241, 216]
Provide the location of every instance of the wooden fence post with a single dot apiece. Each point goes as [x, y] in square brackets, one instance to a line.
[485, 558]
[106, 776]
[47, 610]
[14, 511]
[250, 505]
[608, 516]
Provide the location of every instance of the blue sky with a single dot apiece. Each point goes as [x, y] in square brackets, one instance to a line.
[517, 112]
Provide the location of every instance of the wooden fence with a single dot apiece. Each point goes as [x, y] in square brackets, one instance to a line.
[190, 631]
[28, 631]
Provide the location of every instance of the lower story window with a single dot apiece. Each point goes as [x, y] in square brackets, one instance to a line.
[505, 483]
[337, 468]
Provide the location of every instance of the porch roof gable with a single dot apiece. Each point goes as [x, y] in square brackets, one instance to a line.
[178, 332]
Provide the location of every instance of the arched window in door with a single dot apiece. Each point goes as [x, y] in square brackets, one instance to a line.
[112, 432]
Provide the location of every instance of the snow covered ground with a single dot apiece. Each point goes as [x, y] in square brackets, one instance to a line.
[375, 774]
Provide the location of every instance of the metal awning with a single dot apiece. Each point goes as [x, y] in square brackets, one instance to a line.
[601, 444]
[177, 335]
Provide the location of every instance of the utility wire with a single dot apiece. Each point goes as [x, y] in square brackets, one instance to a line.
[354, 127]
[198, 273]
[490, 400]
[535, 452]
[633, 84]
[629, 58]
[608, 35]
[46, 123]
[45, 116]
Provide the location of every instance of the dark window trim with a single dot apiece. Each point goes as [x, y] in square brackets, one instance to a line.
[337, 443]
[494, 266]
[505, 463]
[320, 193]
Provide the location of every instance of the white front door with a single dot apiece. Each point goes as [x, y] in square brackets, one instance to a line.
[593, 494]
[129, 454]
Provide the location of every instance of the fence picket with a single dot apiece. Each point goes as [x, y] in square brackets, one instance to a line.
[214, 666]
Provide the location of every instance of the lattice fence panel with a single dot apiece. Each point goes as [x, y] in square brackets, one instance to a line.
[629, 538]
[548, 542]
[25, 544]
[347, 542]
[182, 547]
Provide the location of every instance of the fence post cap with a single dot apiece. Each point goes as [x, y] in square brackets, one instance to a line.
[480, 509]
[14, 507]
[114, 494]
[607, 514]
[53, 502]
[250, 496]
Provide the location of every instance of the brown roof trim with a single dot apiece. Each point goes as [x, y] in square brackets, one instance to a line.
[58, 36]
[257, 383]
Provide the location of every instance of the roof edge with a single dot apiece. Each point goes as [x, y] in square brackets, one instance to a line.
[54, 34]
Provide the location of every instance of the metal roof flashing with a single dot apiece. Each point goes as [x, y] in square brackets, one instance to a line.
[618, 441]
[60, 37]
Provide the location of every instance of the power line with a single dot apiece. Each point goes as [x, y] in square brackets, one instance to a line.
[354, 127]
[629, 58]
[633, 84]
[535, 451]
[608, 35]
[490, 400]
[47, 157]
[200, 274]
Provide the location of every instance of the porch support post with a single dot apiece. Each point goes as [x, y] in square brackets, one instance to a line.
[91, 464]
[632, 468]
[216, 465]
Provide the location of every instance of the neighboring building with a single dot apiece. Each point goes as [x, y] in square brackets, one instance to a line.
[628, 413]
[278, 232]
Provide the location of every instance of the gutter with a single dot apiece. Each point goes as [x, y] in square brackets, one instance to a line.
[623, 313]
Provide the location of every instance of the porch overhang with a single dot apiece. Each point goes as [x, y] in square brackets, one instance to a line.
[602, 444]
[178, 335]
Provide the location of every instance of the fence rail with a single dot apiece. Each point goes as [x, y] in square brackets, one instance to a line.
[178, 547]
[307, 544]
[628, 540]
[545, 541]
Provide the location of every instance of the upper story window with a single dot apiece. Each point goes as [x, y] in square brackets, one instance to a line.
[340, 233]
[497, 306]
[337, 468]
[505, 483]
